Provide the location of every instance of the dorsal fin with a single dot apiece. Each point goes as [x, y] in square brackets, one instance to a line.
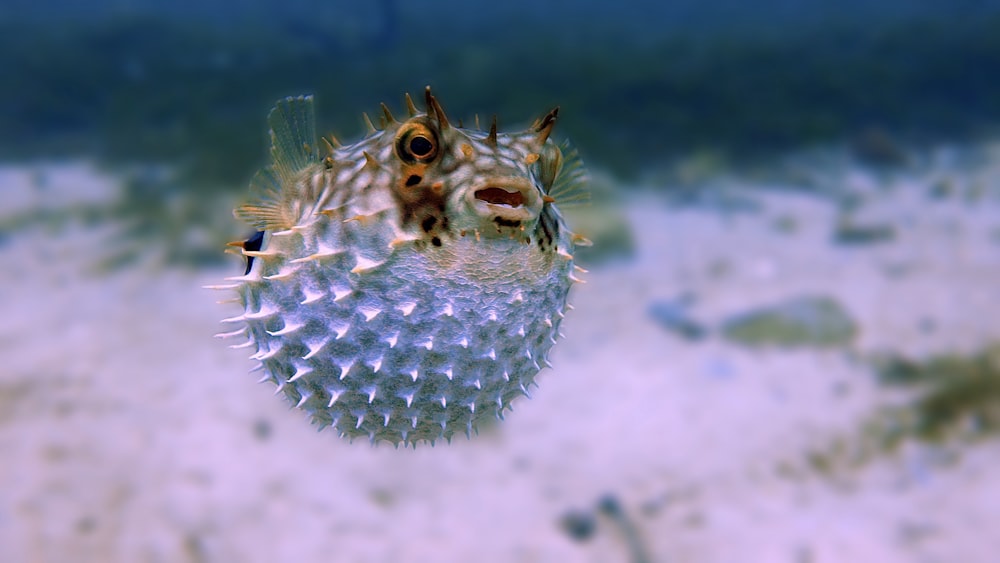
[570, 186]
[293, 149]
[293, 136]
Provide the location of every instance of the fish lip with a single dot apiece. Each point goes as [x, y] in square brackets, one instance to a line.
[525, 203]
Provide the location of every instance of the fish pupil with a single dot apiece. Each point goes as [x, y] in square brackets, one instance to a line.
[420, 146]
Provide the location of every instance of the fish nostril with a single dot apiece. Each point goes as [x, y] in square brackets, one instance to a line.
[500, 196]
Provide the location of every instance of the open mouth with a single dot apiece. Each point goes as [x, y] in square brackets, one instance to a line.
[500, 196]
[504, 204]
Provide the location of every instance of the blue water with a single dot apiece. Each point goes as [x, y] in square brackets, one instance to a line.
[190, 81]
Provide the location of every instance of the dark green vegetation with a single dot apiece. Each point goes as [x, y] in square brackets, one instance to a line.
[954, 395]
[193, 95]
[946, 401]
[805, 321]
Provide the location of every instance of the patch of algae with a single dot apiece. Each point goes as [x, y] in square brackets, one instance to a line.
[951, 401]
[805, 321]
[956, 396]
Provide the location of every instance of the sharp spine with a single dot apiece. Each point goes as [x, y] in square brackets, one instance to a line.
[266, 355]
[365, 265]
[545, 125]
[491, 139]
[318, 255]
[345, 369]
[311, 297]
[287, 329]
[334, 395]
[370, 162]
[239, 332]
[221, 286]
[263, 313]
[387, 114]
[299, 372]
[248, 278]
[314, 349]
[369, 126]
[411, 108]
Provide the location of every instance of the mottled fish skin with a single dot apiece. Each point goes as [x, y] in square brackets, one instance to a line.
[411, 284]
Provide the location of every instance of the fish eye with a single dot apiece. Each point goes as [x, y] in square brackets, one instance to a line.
[420, 146]
[416, 143]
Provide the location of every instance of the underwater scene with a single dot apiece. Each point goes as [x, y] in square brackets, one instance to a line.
[778, 224]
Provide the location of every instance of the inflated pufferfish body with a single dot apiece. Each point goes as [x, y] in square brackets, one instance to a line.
[411, 284]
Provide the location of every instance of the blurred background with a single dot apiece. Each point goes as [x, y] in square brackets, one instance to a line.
[787, 349]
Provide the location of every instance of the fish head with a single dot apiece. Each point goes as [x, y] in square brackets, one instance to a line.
[471, 181]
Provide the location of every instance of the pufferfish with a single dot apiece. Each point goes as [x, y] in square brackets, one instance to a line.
[410, 285]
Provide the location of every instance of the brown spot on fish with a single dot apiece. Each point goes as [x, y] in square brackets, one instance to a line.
[428, 223]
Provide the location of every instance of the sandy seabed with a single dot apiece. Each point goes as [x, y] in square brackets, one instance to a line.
[129, 434]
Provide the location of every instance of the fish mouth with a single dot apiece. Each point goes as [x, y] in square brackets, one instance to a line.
[509, 199]
[500, 196]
